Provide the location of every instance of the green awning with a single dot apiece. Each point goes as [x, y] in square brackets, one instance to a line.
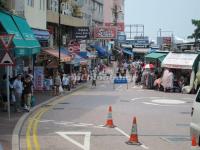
[25, 42]
[156, 55]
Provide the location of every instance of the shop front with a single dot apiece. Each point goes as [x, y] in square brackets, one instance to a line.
[25, 45]
[184, 67]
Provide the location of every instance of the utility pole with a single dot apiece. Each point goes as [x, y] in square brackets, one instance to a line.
[59, 33]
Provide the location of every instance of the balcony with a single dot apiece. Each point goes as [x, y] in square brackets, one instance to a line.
[65, 20]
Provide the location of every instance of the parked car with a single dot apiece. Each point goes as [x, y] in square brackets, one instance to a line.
[195, 123]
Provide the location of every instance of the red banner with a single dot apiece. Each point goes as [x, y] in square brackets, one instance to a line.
[105, 33]
[120, 26]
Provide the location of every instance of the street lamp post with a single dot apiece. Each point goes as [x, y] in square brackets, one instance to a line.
[59, 33]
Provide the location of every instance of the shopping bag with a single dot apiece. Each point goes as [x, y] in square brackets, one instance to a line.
[32, 101]
[61, 89]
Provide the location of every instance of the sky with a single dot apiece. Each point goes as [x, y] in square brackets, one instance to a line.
[169, 15]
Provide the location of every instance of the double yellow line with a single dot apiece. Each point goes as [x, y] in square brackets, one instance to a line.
[31, 131]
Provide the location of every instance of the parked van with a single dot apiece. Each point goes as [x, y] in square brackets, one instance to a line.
[195, 123]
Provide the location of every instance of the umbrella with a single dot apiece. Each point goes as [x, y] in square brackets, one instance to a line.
[148, 66]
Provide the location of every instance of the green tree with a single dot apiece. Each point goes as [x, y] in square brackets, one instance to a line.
[196, 34]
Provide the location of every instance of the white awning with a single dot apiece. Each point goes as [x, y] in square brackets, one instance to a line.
[179, 60]
[141, 50]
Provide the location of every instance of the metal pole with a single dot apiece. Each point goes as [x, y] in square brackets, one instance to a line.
[8, 91]
[59, 36]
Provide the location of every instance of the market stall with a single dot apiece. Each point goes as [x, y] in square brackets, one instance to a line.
[183, 66]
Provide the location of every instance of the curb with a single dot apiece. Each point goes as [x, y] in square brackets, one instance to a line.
[21, 121]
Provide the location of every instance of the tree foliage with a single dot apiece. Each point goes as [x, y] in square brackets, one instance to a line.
[196, 34]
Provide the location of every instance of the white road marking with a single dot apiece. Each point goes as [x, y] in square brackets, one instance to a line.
[125, 134]
[122, 132]
[168, 101]
[86, 145]
[138, 98]
[151, 103]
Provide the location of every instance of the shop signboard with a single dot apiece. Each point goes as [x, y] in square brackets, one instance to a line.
[105, 32]
[82, 33]
[82, 47]
[120, 26]
[121, 38]
[38, 78]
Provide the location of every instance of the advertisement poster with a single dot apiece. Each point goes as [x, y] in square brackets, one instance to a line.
[105, 33]
[38, 78]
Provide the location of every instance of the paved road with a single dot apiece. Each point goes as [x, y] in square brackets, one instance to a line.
[74, 122]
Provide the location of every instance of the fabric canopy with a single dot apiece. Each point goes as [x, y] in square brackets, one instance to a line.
[141, 50]
[128, 52]
[24, 41]
[179, 60]
[41, 34]
[100, 50]
[55, 53]
[156, 55]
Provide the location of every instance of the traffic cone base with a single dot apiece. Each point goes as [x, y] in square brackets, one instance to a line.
[133, 143]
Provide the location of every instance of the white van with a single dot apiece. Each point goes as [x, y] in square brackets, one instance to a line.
[195, 123]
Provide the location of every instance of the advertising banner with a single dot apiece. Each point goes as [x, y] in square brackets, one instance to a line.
[105, 33]
[82, 33]
[120, 26]
[38, 78]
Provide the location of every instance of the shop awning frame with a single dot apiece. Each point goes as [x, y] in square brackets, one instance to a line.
[55, 53]
[25, 44]
[179, 60]
[126, 51]
[156, 55]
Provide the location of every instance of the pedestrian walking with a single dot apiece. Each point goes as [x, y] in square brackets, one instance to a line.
[28, 92]
[57, 84]
[94, 77]
[18, 88]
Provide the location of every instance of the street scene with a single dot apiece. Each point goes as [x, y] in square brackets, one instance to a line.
[99, 75]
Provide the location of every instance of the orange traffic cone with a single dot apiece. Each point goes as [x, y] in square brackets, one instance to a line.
[133, 140]
[109, 122]
[194, 143]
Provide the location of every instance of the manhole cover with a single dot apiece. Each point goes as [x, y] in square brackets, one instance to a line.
[176, 139]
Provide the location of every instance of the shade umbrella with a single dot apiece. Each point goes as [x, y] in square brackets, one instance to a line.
[148, 66]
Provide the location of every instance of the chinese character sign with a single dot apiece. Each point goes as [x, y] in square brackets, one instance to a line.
[38, 78]
[105, 33]
[82, 33]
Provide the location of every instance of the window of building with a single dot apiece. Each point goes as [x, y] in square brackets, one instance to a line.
[44, 4]
[30, 3]
[40, 4]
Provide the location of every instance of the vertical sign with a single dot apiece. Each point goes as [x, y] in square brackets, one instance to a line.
[39, 78]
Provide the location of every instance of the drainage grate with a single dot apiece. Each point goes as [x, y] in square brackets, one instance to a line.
[182, 125]
[186, 113]
[176, 139]
[64, 103]
[58, 108]
[47, 105]
[124, 100]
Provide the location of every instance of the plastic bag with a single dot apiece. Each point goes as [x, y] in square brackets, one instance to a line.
[32, 101]
[61, 89]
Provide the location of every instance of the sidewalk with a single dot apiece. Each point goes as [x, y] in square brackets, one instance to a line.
[7, 126]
